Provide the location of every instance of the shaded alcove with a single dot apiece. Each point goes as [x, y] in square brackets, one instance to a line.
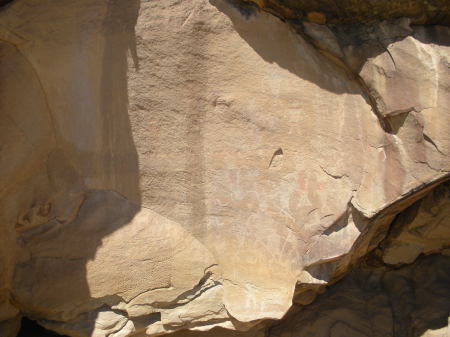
[30, 328]
[409, 301]
[5, 2]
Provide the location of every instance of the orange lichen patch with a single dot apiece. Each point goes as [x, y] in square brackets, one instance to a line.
[317, 17]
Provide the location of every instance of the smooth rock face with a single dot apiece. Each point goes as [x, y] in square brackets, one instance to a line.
[203, 165]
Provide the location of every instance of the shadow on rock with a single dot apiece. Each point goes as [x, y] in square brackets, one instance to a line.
[51, 282]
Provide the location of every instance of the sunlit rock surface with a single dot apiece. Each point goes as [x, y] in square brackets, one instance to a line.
[206, 168]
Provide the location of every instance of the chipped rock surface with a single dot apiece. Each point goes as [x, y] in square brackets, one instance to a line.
[205, 168]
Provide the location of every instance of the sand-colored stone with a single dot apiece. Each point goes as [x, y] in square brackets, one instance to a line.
[180, 166]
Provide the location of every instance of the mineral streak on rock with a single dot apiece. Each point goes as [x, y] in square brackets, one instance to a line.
[225, 168]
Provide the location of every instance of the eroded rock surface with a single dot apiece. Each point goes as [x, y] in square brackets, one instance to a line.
[205, 165]
[409, 301]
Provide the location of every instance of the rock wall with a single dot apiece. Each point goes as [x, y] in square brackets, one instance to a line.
[209, 167]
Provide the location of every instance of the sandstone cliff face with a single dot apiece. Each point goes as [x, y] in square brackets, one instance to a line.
[184, 166]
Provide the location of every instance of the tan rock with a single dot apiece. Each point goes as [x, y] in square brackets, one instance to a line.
[195, 165]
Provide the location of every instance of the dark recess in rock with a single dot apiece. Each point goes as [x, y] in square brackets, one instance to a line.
[5, 2]
[30, 328]
[435, 12]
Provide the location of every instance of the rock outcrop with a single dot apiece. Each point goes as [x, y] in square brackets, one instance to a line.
[210, 167]
[409, 301]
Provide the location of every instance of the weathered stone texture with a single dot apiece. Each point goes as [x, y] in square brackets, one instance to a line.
[203, 165]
